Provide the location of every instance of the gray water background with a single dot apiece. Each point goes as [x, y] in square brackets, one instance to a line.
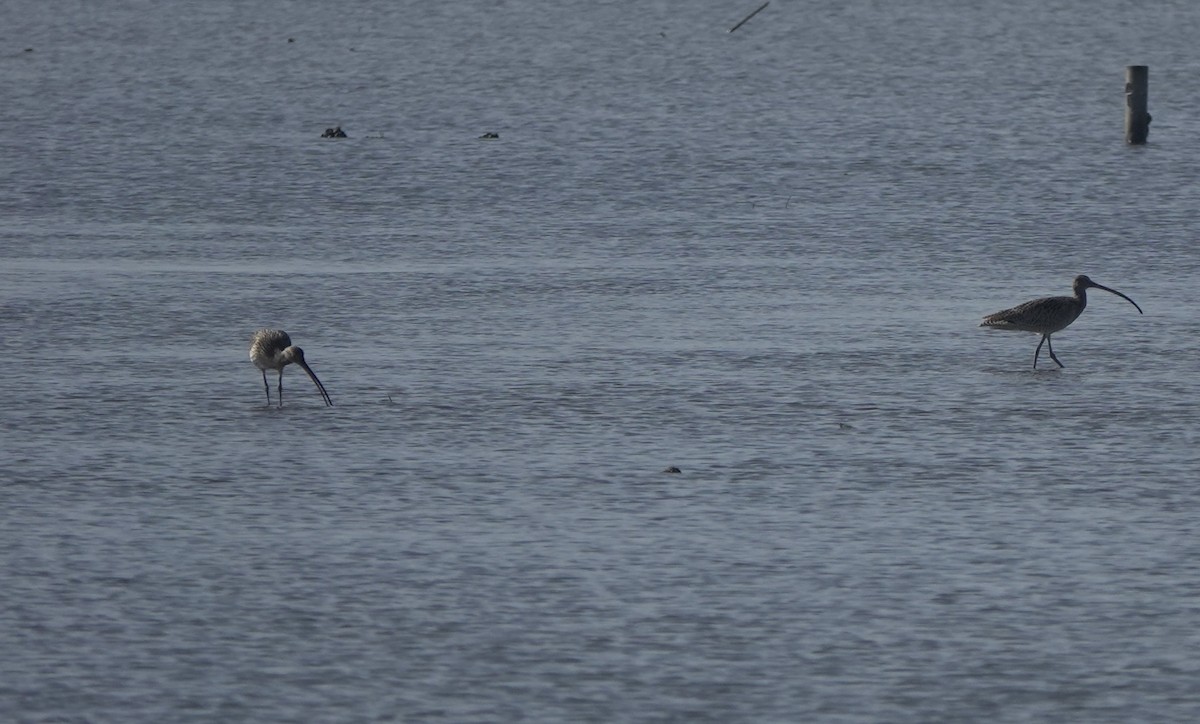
[759, 256]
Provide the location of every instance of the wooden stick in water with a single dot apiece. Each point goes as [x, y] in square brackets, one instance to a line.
[1137, 119]
[756, 12]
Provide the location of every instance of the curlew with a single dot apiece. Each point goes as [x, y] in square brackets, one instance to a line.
[272, 349]
[1048, 315]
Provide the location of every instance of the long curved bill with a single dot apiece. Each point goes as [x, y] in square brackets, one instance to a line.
[1122, 296]
[313, 376]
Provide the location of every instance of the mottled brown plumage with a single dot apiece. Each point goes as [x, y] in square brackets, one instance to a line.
[1048, 315]
[272, 349]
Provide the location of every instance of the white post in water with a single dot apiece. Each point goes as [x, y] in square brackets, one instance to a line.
[1137, 92]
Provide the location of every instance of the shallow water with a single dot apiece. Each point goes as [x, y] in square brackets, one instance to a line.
[760, 257]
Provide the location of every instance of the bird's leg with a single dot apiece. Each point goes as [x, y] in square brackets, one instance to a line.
[267, 387]
[281, 387]
[1050, 346]
[1038, 351]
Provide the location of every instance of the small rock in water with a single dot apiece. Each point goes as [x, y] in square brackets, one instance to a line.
[672, 469]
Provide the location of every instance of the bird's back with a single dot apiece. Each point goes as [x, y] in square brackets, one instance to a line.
[1044, 316]
[266, 344]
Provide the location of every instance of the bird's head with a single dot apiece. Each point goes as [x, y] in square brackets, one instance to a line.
[1082, 283]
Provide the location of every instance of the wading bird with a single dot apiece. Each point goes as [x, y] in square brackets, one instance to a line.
[1049, 314]
[272, 349]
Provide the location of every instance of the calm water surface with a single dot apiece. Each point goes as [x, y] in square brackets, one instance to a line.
[760, 257]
